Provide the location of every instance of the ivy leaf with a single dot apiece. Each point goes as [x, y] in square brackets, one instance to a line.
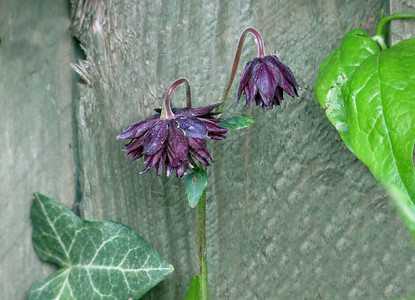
[195, 183]
[380, 109]
[97, 259]
[334, 73]
[237, 122]
[193, 293]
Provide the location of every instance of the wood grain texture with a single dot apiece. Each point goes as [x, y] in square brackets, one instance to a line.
[292, 214]
[402, 29]
[35, 130]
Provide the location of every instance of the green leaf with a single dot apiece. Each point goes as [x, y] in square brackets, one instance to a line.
[334, 73]
[97, 259]
[193, 293]
[237, 122]
[195, 184]
[380, 109]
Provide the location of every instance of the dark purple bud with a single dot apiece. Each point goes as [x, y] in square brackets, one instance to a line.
[264, 79]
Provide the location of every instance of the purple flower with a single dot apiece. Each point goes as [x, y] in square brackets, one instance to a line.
[173, 140]
[264, 80]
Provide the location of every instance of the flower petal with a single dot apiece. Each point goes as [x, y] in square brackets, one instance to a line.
[196, 143]
[160, 163]
[246, 75]
[217, 136]
[250, 92]
[259, 100]
[135, 154]
[134, 144]
[180, 171]
[266, 78]
[265, 100]
[137, 129]
[177, 142]
[198, 111]
[278, 96]
[284, 69]
[155, 158]
[200, 156]
[288, 87]
[214, 128]
[193, 128]
[155, 137]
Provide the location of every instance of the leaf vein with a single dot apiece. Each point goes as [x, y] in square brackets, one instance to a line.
[58, 238]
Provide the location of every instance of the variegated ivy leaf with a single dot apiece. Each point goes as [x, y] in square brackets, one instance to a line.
[97, 259]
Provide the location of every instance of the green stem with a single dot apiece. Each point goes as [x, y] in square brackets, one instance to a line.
[381, 30]
[202, 247]
[261, 53]
[166, 112]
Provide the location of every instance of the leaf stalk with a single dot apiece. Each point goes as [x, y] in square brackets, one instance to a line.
[380, 36]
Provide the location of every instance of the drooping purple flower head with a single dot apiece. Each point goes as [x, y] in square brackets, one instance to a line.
[170, 142]
[264, 80]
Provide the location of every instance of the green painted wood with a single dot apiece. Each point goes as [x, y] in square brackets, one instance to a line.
[35, 130]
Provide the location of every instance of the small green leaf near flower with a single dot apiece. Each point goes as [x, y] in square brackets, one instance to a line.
[97, 259]
[193, 293]
[237, 122]
[195, 184]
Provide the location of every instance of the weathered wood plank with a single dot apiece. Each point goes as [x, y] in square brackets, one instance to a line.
[305, 218]
[291, 212]
[402, 29]
[35, 129]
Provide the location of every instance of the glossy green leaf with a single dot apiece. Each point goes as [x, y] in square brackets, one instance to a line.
[237, 122]
[195, 183]
[193, 293]
[97, 259]
[380, 109]
[334, 73]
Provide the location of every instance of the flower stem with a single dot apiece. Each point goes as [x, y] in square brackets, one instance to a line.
[381, 29]
[202, 247]
[261, 53]
[166, 112]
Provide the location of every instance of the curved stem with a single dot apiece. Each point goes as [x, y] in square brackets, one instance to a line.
[261, 53]
[202, 247]
[381, 29]
[166, 112]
